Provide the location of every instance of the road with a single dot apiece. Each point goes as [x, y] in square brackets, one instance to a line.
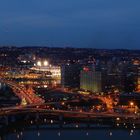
[23, 93]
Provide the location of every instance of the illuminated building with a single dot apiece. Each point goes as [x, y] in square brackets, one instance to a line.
[90, 80]
[55, 71]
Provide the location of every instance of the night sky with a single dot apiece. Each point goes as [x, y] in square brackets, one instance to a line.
[76, 23]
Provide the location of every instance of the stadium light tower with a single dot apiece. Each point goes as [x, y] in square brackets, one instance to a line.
[39, 63]
[46, 63]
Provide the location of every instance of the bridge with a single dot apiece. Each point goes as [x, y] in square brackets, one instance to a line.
[65, 114]
[37, 118]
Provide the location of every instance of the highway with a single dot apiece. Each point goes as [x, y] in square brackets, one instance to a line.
[78, 114]
[23, 93]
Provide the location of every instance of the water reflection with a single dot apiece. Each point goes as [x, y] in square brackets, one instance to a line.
[97, 134]
[2, 86]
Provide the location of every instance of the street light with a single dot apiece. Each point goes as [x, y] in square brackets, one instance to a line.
[131, 104]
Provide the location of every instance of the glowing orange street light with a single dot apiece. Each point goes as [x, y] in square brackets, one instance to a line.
[63, 103]
[131, 104]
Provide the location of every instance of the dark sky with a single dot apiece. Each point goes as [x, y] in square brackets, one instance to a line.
[77, 23]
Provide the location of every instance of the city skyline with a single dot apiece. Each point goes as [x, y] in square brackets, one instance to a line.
[64, 91]
[89, 24]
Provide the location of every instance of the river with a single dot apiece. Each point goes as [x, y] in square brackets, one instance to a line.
[95, 134]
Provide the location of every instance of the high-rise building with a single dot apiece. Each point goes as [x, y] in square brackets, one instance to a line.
[70, 75]
[138, 80]
[90, 80]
